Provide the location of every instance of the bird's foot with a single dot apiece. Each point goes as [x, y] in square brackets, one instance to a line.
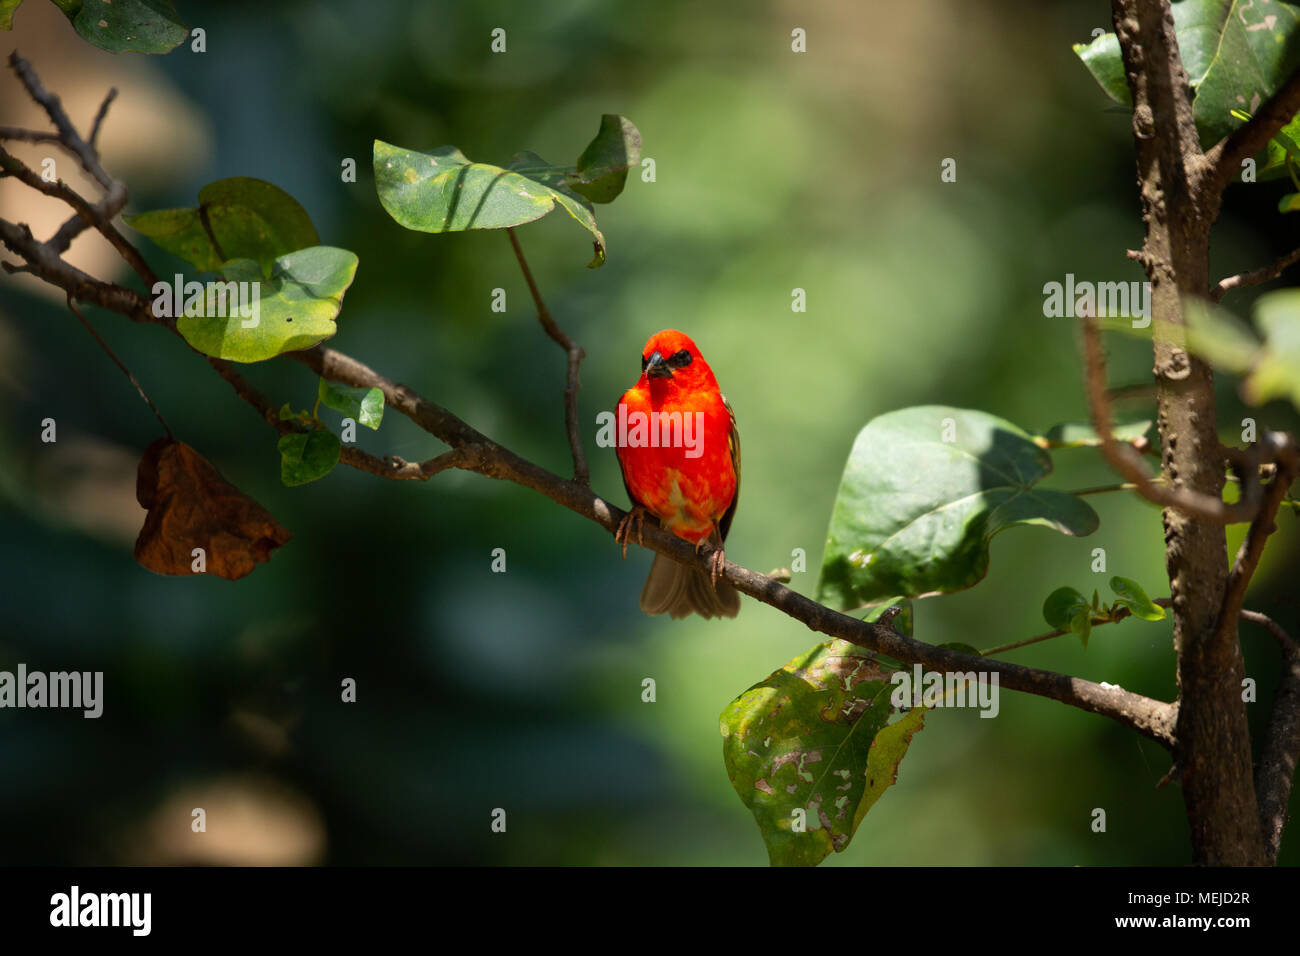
[624, 530]
[716, 560]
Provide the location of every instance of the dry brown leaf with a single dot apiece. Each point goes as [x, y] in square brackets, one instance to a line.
[191, 506]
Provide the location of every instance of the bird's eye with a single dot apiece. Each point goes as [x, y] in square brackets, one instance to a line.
[644, 362]
[680, 359]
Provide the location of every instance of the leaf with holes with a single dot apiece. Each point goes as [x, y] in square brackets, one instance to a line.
[812, 748]
[127, 26]
[1236, 53]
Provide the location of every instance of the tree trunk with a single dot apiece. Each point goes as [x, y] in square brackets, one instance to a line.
[1212, 753]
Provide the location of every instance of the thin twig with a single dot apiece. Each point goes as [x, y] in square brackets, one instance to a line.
[1262, 274]
[1283, 452]
[1104, 489]
[575, 356]
[122, 365]
[1128, 462]
[1120, 614]
[1284, 640]
[54, 110]
[99, 117]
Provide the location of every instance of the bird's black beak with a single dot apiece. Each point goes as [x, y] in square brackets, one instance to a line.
[657, 367]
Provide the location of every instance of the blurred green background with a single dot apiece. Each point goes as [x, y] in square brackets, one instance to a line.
[522, 690]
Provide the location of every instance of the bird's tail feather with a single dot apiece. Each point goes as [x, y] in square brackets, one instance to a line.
[678, 590]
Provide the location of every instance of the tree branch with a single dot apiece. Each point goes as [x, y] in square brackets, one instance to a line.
[473, 451]
[1252, 548]
[1260, 275]
[1128, 461]
[1275, 772]
[575, 356]
[1223, 160]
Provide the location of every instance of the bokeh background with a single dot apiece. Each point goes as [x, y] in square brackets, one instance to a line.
[522, 690]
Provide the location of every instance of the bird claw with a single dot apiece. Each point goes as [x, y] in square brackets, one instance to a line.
[717, 559]
[623, 532]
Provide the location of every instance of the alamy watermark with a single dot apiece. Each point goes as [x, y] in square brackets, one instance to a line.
[651, 430]
[209, 300]
[130, 910]
[922, 688]
[79, 690]
[1102, 300]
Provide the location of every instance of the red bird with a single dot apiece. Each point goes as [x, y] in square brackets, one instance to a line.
[680, 454]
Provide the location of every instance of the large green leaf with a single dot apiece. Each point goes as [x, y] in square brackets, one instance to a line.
[127, 26]
[816, 736]
[237, 218]
[915, 512]
[442, 191]
[1236, 53]
[297, 306]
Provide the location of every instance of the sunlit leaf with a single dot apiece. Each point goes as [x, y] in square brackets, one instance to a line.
[923, 493]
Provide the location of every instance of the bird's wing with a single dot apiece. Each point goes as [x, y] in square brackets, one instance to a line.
[626, 487]
[733, 446]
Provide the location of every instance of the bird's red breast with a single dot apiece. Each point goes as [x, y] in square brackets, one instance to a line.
[683, 465]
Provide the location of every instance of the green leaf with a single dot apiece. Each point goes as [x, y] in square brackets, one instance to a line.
[602, 167]
[307, 456]
[1219, 337]
[1271, 367]
[364, 405]
[1276, 372]
[1132, 596]
[245, 219]
[442, 191]
[914, 514]
[1081, 624]
[127, 26]
[1061, 605]
[816, 736]
[7, 8]
[295, 310]
[1253, 54]
[1081, 435]
[1236, 53]
[1103, 60]
[1289, 203]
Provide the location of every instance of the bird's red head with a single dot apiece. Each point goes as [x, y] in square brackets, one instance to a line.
[671, 359]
